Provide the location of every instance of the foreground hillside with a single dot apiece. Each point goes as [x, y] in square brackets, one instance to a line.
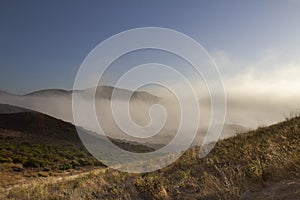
[254, 165]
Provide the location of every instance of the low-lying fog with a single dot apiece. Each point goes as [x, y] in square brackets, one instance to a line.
[243, 112]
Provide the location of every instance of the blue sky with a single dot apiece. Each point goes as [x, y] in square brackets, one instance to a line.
[42, 43]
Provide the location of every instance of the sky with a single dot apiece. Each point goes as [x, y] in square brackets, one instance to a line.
[255, 44]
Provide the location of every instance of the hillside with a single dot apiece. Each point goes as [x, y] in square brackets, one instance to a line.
[34, 144]
[254, 164]
[6, 108]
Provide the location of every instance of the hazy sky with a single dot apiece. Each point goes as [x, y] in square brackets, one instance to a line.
[42, 43]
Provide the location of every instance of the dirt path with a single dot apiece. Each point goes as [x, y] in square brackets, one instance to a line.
[288, 189]
[49, 180]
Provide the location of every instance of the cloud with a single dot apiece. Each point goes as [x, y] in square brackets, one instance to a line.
[260, 92]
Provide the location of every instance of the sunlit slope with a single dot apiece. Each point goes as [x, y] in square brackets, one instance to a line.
[235, 168]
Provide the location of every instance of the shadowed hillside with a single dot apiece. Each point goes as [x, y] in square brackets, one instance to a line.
[32, 143]
[238, 167]
[5, 109]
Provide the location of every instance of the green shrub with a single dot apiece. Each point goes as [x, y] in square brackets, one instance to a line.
[66, 166]
[32, 162]
[5, 160]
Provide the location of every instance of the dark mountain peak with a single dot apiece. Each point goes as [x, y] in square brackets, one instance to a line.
[101, 92]
[49, 92]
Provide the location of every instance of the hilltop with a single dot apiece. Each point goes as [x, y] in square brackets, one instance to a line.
[238, 167]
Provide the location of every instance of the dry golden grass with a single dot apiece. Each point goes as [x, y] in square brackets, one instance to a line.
[236, 165]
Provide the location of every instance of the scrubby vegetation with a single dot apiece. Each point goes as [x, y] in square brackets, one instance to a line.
[45, 156]
[40, 141]
[36, 145]
[235, 166]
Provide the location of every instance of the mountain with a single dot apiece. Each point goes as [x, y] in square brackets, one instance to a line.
[49, 92]
[102, 92]
[58, 103]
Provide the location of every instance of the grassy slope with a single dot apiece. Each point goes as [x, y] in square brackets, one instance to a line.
[34, 144]
[235, 166]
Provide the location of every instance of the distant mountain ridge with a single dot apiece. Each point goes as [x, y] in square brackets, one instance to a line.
[101, 92]
[58, 103]
[49, 92]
